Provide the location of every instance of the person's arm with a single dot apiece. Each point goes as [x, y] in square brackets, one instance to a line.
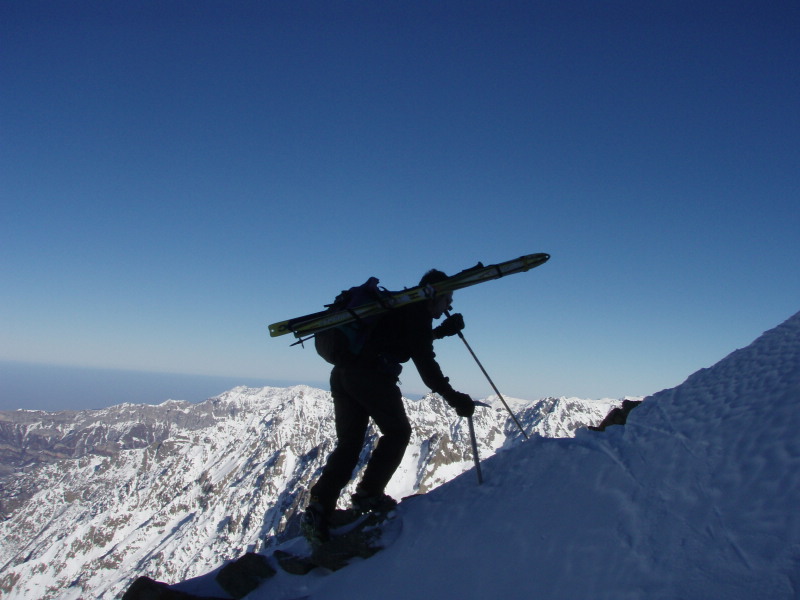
[431, 373]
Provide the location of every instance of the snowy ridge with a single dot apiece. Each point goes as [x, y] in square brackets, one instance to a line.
[173, 490]
[696, 497]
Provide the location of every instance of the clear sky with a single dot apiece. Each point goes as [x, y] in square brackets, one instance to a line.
[175, 176]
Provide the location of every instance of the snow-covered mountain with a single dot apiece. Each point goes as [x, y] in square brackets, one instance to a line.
[31, 438]
[94, 498]
[696, 498]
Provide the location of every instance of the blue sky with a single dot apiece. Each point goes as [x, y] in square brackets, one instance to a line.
[176, 176]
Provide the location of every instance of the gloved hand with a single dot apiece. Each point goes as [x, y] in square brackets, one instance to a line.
[462, 403]
[450, 326]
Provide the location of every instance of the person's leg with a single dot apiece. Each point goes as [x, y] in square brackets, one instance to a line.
[351, 427]
[380, 397]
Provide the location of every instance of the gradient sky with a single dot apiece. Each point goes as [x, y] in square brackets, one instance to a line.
[175, 176]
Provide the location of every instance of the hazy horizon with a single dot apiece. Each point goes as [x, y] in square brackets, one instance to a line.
[49, 387]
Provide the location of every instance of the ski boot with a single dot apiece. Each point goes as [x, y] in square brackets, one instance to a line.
[315, 524]
[376, 503]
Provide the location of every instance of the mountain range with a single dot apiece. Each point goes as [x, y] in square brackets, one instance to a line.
[92, 499]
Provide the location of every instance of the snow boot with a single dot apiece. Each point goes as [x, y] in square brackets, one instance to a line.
[315, 524]
[379, 503]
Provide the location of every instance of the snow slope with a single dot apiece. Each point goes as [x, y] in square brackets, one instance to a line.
[697, 497]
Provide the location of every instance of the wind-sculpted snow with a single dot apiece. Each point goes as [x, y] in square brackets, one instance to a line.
[173, 490]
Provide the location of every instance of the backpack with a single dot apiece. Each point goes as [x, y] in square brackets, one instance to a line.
[342, 345]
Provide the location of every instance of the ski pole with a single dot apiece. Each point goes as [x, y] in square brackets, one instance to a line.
[475, 450]
[489, 379]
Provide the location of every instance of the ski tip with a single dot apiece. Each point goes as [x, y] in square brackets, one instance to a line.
[536, 259]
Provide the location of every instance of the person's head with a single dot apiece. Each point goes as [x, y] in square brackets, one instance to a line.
[438, 305]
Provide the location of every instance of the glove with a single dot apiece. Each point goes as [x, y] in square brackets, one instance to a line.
[450, 326]
[462, 403]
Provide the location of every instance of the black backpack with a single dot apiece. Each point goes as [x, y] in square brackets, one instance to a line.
[342, 345]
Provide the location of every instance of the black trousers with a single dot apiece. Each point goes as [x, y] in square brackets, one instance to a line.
[359, 394]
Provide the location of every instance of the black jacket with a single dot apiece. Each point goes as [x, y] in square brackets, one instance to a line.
[406, 334]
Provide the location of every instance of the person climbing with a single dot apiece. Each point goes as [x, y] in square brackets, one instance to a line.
[368, 388]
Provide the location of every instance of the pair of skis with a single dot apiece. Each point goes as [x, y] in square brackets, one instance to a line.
[308, 325]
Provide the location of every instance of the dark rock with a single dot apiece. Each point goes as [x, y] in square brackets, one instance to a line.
[245, 574]
[295, 565]
[145, 588]
[618, 416]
